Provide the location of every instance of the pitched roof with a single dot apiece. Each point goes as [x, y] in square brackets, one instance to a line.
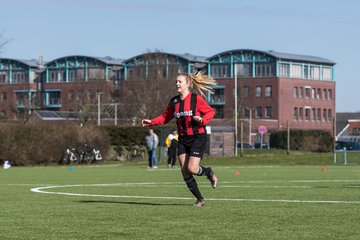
[107, 60]
[343, 118]
[281, 56]
[301, 58]
[30, 63]
[193, 58]
[186, 56]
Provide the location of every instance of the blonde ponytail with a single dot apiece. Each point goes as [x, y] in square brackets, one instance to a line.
[201, 83]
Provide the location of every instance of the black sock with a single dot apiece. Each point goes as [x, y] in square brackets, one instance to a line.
[193, 187]
[204, 171]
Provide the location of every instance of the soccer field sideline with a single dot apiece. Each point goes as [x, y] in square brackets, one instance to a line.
[41, 190]
[131, 202]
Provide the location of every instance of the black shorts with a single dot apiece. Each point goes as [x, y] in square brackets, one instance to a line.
[193, 145]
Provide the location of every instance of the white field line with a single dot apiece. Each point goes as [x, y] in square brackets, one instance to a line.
[182, 183]
[41, 190]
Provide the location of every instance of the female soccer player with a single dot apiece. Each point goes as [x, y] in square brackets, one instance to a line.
[192, 113]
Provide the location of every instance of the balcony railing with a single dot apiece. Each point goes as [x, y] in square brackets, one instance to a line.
[217, 99]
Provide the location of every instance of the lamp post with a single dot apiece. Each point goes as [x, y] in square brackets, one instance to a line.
[236, 117]
[99, 110]
[115, 111]
[250, 121]
[116, 114]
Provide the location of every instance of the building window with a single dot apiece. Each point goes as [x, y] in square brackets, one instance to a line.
[318, 93]
[3, 77]
[314, 114]
[307, 114]
[295, 92]
[4, 95]
[268, 112]
[314, 72]
[246, 91]
[319, 114]
[324, 94]
[326, 73]
[14, 77]
[356, 131]
[61, 75]
[300, 114]
[258, 112]
[268, 91]
[258, 70]
[330, 94]
[52, 76]
[218, 96]
[72, 75]
[90, 94]
[324, 115]
[95, 74]
[264, 69]
[258, 91]
[296, 71]
[306, 71]
[20, 99]
[54, 98]
[296, 113]
[247, 112]
[300, 92]
[284, 70]
[219, 112]
[220, 70]
[313, 90]
[307, 93]
[244, 69]
[329, 115]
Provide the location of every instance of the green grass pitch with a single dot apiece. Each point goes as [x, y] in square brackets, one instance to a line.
[262, 202]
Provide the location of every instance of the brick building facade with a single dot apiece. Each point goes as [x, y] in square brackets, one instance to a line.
[274, 89]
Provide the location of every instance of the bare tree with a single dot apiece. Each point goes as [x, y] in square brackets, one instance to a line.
[149, 97]
[3, 41]
[84, 100]
[150, 85]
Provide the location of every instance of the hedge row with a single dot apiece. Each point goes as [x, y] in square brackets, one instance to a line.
[303, 140]
[129, 136]
[45, 144]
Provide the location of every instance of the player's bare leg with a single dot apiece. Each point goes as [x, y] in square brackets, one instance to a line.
[194, 167]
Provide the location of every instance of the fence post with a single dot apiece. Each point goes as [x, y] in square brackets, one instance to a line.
[242, 139]
[288, 138]
[334, 135]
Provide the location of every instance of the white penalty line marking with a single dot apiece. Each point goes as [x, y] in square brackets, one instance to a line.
[40, 190]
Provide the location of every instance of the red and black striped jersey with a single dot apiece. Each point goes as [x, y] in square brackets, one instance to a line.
[183, 111]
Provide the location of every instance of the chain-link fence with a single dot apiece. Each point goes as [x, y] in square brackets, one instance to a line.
[346, 157]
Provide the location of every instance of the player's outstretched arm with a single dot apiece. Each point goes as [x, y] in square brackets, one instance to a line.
[145, 122]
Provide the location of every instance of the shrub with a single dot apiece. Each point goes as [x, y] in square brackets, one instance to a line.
[45, 144]
[128, 136]
[303, 140]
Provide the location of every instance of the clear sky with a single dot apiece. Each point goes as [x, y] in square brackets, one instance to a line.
[123, 29]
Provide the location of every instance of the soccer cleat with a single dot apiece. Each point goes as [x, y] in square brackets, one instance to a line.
[213, 179]
[199, 203]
